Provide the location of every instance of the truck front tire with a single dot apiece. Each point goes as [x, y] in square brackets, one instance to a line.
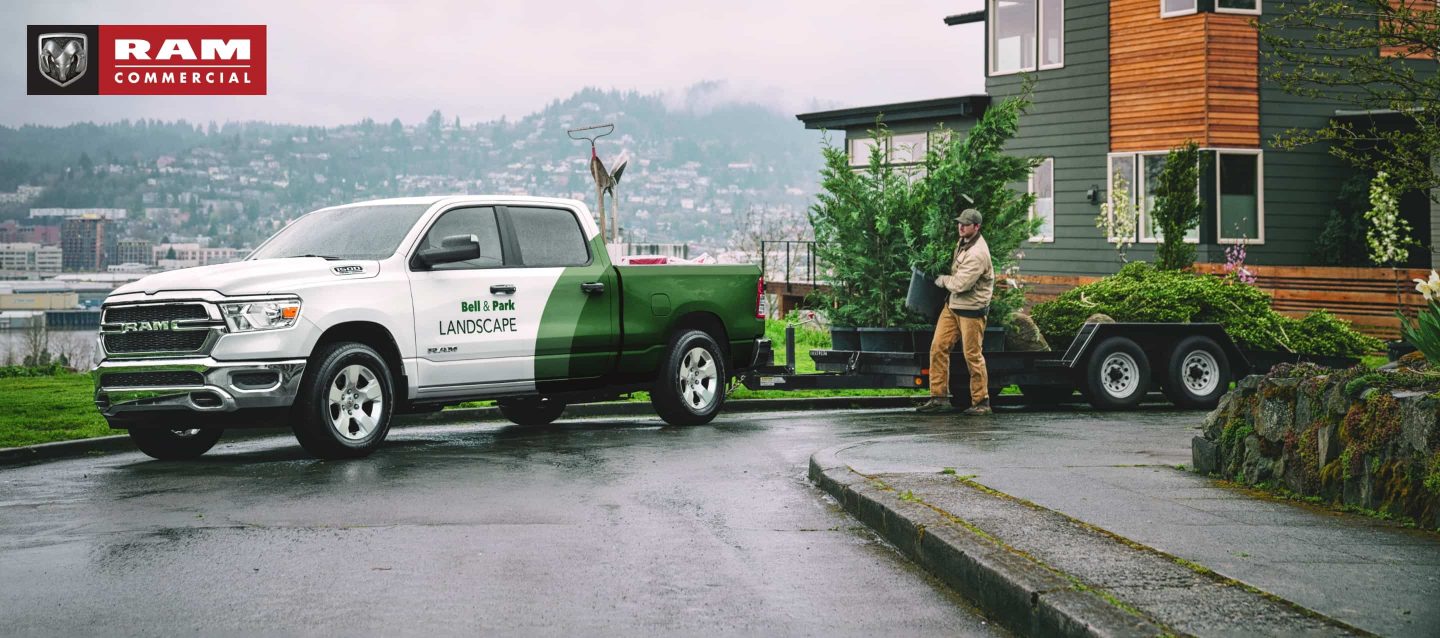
[345, 402]
[691, 386]
[174, 445]
[531, 410]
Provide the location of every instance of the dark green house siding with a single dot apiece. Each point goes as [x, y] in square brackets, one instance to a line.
[1070, 121]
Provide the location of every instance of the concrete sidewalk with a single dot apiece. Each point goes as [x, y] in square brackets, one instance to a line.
[1096, 503]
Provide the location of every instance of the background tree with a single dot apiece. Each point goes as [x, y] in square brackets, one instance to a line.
[1327, 49]
[1177, 207]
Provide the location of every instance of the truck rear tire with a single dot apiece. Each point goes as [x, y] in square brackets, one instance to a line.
[691, 385]
[531, 410]
[1117, 375]
[174, 445]
[344, 407]
[1198, 373]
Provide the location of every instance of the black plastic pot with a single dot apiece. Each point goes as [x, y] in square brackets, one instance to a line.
[924, 297]
[884, 340]
[844, 338]
[1397, 348]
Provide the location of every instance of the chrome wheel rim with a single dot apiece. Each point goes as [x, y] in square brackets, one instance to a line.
[185, 434]
[1201, 372]
[698, 380]
[355, 402]
[1119, 375]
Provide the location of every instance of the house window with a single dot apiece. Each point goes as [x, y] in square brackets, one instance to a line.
[1141, 171]
[1121, 175]
[1042, 185]
[1169, 8]
[1026, 35]
[1250, 7]
[1239, 194]
[905, 149]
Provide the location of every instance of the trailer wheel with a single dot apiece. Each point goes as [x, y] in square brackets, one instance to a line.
[691, 387]
[1045, 394]
[1198, 375]
[531, 410]
[1117, 375]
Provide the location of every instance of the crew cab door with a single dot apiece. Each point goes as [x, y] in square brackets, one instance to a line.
[475, 321]
[578, 323]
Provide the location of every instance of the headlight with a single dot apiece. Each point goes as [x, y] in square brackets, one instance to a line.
[261, 315]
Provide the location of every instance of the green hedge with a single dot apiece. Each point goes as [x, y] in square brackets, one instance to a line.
[1140, 292]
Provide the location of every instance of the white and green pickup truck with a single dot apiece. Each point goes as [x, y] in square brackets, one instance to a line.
[355, 313]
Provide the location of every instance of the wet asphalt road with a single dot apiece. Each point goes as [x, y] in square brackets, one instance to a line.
[610, 526]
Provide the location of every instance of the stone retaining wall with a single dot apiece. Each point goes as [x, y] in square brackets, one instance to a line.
[1348, 437]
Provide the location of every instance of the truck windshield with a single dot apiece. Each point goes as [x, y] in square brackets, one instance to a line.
[351, 232]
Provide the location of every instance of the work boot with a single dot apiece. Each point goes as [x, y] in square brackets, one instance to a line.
[935, 404]
[978, 409]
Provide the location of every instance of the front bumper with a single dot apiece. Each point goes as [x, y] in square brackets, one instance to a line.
[207, 385]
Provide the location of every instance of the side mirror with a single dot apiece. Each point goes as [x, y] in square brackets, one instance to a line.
[452, 249]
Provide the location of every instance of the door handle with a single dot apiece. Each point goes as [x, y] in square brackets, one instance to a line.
[593, 287]
[502, 289]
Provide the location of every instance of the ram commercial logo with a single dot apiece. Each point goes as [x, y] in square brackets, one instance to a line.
[148, 326]
[146, 59]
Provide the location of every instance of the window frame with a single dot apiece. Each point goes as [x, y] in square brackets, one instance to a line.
[1034, 207]
[992, 12]
[1259, 154]
[1194, 9]
[1138, 189]
[1258, 10]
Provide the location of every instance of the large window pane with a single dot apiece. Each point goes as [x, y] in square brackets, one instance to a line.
[1151, 167]
[1238, 5]
[1013, 33]
[1177, 6]
[1122, 176]
[860, 151]
[479, 222]
[908, 148]
[1052, 32]
[1239, 196]
[1042, 184]
[549, 237]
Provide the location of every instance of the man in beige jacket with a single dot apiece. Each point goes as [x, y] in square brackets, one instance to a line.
[971, 283]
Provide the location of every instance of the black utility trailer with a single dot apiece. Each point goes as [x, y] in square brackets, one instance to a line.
[1112, 365]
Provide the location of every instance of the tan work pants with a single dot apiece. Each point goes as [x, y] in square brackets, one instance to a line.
[971, 333]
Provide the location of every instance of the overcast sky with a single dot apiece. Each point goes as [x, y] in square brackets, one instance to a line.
[336, 62]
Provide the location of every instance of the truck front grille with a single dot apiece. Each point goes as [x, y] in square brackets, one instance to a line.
[161, 329]
[179, 341]
[150, 379]
[155, 312]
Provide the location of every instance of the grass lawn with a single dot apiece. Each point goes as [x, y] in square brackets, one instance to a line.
[45, 409]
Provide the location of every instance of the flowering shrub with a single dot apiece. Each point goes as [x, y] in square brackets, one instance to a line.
[1235, 264]
[1423, 332]
[1118, 217]
[1389, 234]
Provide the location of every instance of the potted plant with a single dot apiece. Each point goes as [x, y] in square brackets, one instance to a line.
[965, 172]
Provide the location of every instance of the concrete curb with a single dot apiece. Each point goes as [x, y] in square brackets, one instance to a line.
[1017, 592]
[108, 444]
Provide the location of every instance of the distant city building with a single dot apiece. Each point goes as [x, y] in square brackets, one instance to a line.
[29, 259]
[21, 195]
[85, 244]
[172, 256]
[111, 214]
[134, 251]
[12, 232]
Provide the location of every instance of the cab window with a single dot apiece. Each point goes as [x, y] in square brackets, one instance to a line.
[479, 222]
[549, 237]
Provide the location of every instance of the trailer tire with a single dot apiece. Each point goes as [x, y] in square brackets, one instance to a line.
[691, 387]
[1198, 373]
[1046, 394]
[174, 445]
[1117, 374]
[531, 410]
[345, 402]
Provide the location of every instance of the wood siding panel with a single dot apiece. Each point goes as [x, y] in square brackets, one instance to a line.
[1414, 5]
[1192, 77]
